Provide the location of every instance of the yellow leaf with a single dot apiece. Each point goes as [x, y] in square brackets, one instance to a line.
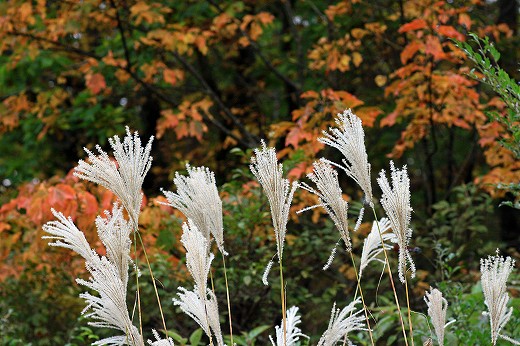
[380, 80]
[357, 58]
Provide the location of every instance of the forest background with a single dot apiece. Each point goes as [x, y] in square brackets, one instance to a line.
[210, 79]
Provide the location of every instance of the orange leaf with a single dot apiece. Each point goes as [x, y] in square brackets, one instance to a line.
[96, 83]
[410, 50]
[168, 120]
[26, 12]
[415, 24]
[465, 20]
[434, 47]
[389, 120]
[449, 31]
[368, 115]
[169, 76]
[348, 100]
[310, 94]
[293, 137]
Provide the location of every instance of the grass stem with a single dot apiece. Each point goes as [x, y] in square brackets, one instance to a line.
[228, 301]
[390, 276]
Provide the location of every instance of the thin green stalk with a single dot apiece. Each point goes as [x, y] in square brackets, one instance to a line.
[391, 278]
[282, 297]
[409, 311]
[138, 294]
[362, 300]
[207, 321]
[153, 282]
[211, 280]
[228, 301]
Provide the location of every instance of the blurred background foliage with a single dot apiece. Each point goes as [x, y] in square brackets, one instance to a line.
[209, 79]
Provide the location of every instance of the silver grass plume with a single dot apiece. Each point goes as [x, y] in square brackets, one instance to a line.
[341, 323]
[114, 232]
[108, 274]
[203, 310]
[330, 197]
[125, 176]
[65, 234]
[396, 203]
[198, 199]
[198, 256]
[194, 306]
[160, 341]
[437, 307]
[269, 173]
[349, 138]
[200, 303]
[109, 309]
[372, 246]
[293, 332]
[495, 271]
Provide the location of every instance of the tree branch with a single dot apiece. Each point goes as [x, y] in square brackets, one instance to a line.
[135, 77]
[259, 53]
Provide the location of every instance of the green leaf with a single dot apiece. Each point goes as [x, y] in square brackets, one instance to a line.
[257, 331]
[195, 337]
[176, 337]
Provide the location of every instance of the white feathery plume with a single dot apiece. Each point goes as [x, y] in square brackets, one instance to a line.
[125, 176]
[266, 272]
[330, 197]
[349, 138]
[341, 323]
[331, 257]
[203, 310]
[495, 271]
[193, 305]
[108, 278]
[396, 203]
[372, 246]
[65, 234]
[214, 317]
[437, 307]
[269, 173]
[109, 309]
[114, 232]
[293, 332]
[198, 199]
[198, 257]
[160, 341]
[200, 304]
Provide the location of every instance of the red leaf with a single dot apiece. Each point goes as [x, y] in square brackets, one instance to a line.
[96, 83]
[415, 24]
[389, 120]
[434, 47]
[449, 31]
[410, 50]
[293, 137]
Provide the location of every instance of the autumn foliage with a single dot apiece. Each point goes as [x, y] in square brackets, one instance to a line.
[210, 78]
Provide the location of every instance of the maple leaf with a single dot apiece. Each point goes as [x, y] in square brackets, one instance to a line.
[96, 83]
[465, 20]
[410, 50]
[434, 47]
[170, 76]
[168, 120]
[415, 24]
[449, 31]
